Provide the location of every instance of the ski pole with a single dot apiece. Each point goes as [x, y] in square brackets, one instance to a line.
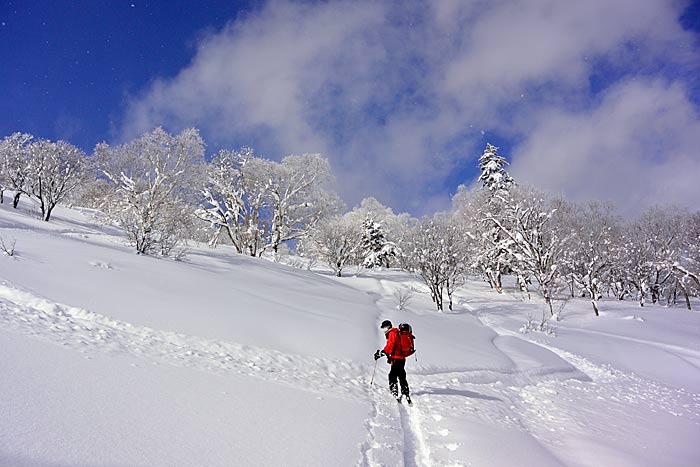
[373, 372]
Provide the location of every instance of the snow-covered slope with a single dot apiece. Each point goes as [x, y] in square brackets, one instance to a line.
[109, 358]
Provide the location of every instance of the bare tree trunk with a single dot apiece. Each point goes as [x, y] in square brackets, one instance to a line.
[685, 295]
[338, 269]
[437, 296]
[490, 280]
[499, 284]
[654, 293]
[572, 287]
[43, 208]
[48, 213]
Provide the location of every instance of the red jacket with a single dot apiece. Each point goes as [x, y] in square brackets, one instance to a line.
[392, 340]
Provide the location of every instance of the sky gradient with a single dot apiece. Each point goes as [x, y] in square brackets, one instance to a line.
[591, 100]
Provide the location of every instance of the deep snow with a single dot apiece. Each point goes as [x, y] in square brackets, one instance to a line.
[109, 358]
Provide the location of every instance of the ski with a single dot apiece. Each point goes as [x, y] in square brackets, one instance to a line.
[399, 399]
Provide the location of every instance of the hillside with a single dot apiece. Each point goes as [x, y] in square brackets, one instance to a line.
[109, 358]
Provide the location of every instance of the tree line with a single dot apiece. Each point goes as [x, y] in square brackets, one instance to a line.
[161, 190]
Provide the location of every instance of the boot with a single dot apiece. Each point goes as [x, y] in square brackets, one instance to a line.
[394, 388]
[406, 395]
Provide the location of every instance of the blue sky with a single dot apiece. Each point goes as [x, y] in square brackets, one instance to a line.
[595, 99]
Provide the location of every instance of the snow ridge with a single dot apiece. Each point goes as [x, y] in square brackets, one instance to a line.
[87, 331]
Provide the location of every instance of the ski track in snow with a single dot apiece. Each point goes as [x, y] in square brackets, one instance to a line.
[87, 332]
[538, 404]
[554, 407]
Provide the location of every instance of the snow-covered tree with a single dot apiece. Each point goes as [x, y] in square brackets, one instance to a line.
[634, 262]
[376, 249]
[651, 244]
[152, 180]
[15, 164]
[494, 176]
[236, 199]
[686, 268]
[336, 241]
[55, 170]
[299, 197]
[663, 230]
[655, 257]
[671, 242]
[590, 254]
[260, 203]
[473, 209]
[437, 252]
[370, 207]
[489, 202]
[528, 237]
[393, 227]
[46, 170]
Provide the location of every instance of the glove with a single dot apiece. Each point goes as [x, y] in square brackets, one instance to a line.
[378, 354]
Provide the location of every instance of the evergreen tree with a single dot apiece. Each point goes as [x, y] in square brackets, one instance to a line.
[493, 174]
[496, 184]
[375, 248]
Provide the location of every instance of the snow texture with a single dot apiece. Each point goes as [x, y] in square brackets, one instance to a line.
[112, 358]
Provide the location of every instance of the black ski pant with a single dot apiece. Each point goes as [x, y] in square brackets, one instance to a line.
[398, 372]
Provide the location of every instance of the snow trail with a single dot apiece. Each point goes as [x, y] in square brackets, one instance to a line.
[390, 433]
[87, 331]
[539, 405]
[385, 444]
[416, 450]
[548, 405]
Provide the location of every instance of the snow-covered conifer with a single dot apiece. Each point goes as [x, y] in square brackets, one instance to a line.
[490, 202]
[393, 227]
[493, 175]
[376, 249]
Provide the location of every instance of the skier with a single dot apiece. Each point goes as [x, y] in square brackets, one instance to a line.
[396, 359]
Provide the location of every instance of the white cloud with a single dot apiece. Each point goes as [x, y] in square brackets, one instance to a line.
[638, 147]
[388, 90]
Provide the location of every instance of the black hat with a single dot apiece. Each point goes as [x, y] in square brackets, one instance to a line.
[386, 324]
